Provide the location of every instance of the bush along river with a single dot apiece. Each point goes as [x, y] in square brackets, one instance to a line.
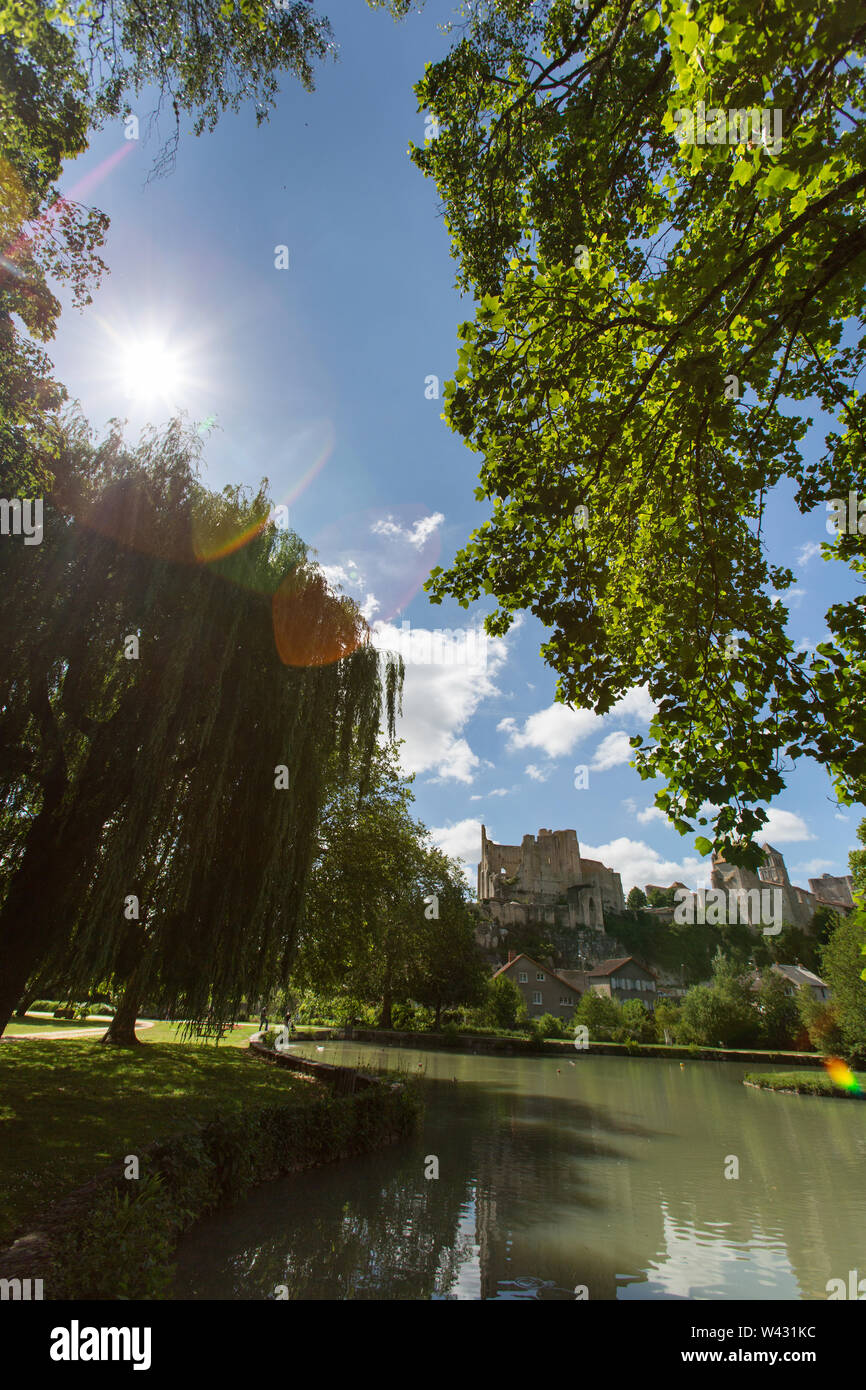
[558, 1178]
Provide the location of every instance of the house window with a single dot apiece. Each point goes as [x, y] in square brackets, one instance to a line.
[536, 998]
[566, 999]
[522, 977]
[539, 974]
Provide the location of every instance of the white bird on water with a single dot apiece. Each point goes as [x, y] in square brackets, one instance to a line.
[319, 1049]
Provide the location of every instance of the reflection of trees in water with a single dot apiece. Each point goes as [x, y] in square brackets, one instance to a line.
[534, 1157]
[540, 1191]
[393, 1236]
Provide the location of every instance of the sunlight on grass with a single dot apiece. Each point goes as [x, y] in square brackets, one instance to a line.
[71, 1105]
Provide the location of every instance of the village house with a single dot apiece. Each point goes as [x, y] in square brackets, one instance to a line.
[623, 979]
[544, 990]
[795, 976]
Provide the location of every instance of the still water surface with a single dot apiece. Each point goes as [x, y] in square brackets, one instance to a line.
[608, 1174]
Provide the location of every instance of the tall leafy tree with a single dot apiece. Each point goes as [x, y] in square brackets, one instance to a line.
[449, 968]
[165, 737]
[370, 929]
[842, 967]
[660, 211]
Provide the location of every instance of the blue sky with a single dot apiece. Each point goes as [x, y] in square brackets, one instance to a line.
[316, 376]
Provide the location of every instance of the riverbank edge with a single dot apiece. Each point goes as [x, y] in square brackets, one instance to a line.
[469, 1042]
[765, 1084]
[114, 1238]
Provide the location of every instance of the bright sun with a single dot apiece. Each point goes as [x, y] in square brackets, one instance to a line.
[150, 369]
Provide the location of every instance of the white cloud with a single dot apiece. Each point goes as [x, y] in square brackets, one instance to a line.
[370, 607]
[538, 774]
[416, 535]
[784, 827]
[635, 706]
[791, 597]
[651, 813]
[439, 698]
[637, 863]
[336, 575]
[612, 751]
[500, 791]
[557, 730]
[808, 552]
[461, 841]
[810, 868]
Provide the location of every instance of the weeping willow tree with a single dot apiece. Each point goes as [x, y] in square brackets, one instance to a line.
[173, 699]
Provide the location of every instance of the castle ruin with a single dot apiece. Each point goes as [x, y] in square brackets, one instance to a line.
[545, 880]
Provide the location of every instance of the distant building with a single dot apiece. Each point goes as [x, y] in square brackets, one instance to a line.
[623, 979]
[795, 976]
[544, 990]
[544, 880]
[798, 905]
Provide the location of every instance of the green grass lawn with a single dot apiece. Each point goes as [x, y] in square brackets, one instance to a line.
[69, 1107]
[807, 1083]
[160, 1032]
[39, 1024]
[168, 1033]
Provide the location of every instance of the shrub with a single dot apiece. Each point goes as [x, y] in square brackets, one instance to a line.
[637, 1022]
[504, 1002]
[118, 1244]
[599, 1014]
[549, 1026]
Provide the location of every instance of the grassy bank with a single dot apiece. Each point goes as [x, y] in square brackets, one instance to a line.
[803, 1083]
[205, 1124]
[69, 1107]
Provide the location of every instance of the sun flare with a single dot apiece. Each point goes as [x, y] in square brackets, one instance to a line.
[150, 369]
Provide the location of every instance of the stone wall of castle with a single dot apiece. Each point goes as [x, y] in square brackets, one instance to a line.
[798, 904]
[544, 879]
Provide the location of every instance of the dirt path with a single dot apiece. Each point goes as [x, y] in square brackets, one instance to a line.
[64, 1032]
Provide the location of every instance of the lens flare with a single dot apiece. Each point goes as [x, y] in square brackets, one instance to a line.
[313, 626]
[841, 1075]
[381, 556]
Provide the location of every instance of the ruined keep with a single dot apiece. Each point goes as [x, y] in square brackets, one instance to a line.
[798, 904]
[545, 880]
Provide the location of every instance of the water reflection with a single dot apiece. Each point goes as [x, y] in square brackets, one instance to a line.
[608, 1174]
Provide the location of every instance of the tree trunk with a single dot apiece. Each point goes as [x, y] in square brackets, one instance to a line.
[60, 845]
[25, 1002]
[387, 1001]
[30, 919]
[121, 1030]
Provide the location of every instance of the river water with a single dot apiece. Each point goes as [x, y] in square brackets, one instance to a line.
[603, 1179]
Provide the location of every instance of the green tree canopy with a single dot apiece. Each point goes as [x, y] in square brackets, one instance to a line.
[660, 310]
[842, 966]
[163, 735]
